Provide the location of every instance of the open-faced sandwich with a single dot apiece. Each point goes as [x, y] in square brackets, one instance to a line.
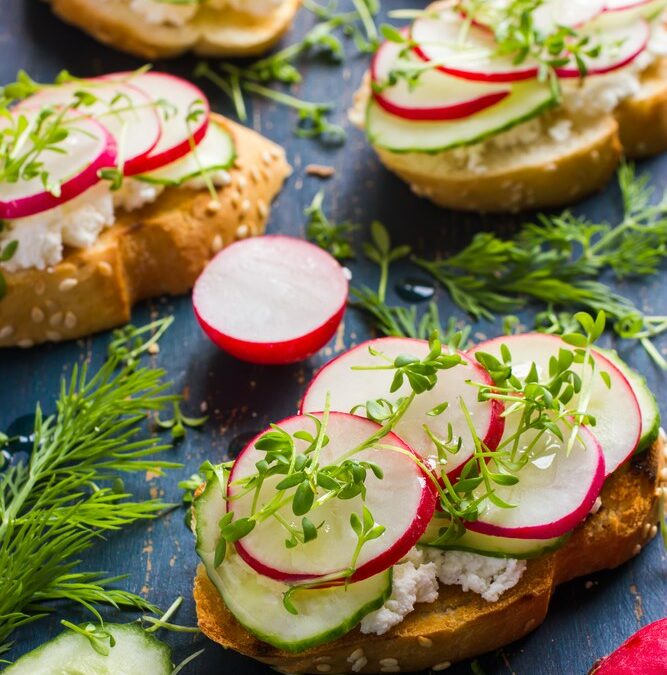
[426, 503]
[117, 189]
[501, 105]
[154, 29]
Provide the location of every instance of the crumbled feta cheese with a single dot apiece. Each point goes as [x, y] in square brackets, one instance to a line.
[484, 575]
[412, 583]
[560, 131]
[133, 194]
[41, 237]
[164, 13]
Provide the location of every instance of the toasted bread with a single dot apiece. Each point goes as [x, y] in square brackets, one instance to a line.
[160, 249]
[460, 625]
[547, 173]
[212, 32]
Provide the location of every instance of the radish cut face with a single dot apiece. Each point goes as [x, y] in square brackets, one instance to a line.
[616, 410]
[129, 114]
[87, 149]
[184, 114]
[437, 96]
[555, 492]
[348, 388]
[332, 551]
[271, 299]
[441, 40]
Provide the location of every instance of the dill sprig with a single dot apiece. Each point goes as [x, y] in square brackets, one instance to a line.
[69, 494]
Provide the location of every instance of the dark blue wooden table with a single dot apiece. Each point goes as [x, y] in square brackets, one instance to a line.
[585, 622]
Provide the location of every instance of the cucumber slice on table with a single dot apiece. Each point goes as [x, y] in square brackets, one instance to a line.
[216, 152]
[257, 601]
[648, 406]
[494, 547]
[527, 100]
[136, 652]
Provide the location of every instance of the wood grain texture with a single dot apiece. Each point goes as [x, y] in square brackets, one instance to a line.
[587, 619]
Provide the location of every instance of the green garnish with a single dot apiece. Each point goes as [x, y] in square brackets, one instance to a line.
[332, 237]
[179, 422]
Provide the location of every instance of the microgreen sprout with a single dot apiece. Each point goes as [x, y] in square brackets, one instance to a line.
[179, 422]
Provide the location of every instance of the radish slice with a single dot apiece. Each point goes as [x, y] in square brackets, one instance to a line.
[620, 46]
[618, 418]
[436, 97]
[643, 653]
[271, 299]
[178, 100]
[127, 112]
[466, 51]
[349, 388]
[555, 492]
[332, 551]
[623, 5]
[87, 149]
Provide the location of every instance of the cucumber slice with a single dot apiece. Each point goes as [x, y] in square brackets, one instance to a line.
[136, 652]
[216, 152]
[648, 406]
[494, 547]
[526, 100]
[257, 601]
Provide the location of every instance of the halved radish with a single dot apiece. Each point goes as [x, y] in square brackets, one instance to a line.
[184, 111]
[466, 51]
[437, 96]
[618, 418]
[128, 113]
[75, 167]
[332, 551]
[619, 46]
[348, 388]
[555, 492]
[271, 299]
[627, 5]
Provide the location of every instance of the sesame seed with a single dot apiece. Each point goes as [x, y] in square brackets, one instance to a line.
[40, 287]
[654, 531]
[235, 199]
[217, 243]
[153, 349]
[213, 206]
[658, 492]
[275, 153]
[323, 659]
[242, 181]
[37, 315]
[53, 335]
[390, 669]
[262, 208]
[67, 284]
[424, 641]
[637, 549]
[254, 174]
[529, 624]
[25, 344]
[388, 662]
[588, 585]
[355, 655]
[242, 231]
[203, 407]
[323, 667]
[646, 529]
[266, 174]
[6, 331]
[663, 474]
[105, 268]
[266, 157]
[56, 319]
[359, 664]
[441, 666]
[70, 320]
[245, 206]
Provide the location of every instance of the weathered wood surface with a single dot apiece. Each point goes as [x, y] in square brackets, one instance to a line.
[588, 618]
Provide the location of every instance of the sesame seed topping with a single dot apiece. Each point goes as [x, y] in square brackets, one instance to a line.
[275, 153]
[242, 231]
[262, 208]
[56, 319]
[70, 320]
[356, 654]
[388, 662]
[323, 667]
[6, 331]
[37, 315]
[242, 181]
[654, 531]
[323, 659]
[529, 624]
[359, 664]
[266, 157]
[235, 199]
[217, 243]
[424, 641]
[39, 287]
[658, 492]
[663, 474]
[25, 344]
[105, 268]
[441, 666]
[646, 529]
[588, 585]
[245, 206]
[213, 206]
[67, 284]
[254, 174]
[266, 174]
[53, 335]
[637, 549]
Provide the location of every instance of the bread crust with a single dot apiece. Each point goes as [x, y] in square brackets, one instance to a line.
[160, 249]
[462, 625]
[219, 33]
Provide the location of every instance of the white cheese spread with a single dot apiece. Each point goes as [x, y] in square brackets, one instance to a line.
[163, 12]
[416, 580]
[133, 194]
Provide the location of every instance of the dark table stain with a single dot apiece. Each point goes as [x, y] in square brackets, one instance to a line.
[588, 618]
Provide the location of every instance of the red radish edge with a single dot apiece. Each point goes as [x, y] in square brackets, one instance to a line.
[43, 201]
[559, 527]
[630, 5]
[569, 73]
[387, 558]
[274, 353]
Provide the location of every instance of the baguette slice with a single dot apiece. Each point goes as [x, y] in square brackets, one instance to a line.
[220, 33]
[547, 173]
[461, 625]
[160, 249]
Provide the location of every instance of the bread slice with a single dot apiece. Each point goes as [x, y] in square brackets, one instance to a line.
[549, 172]
[160, 249]
[460, 625]
[213, 32]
